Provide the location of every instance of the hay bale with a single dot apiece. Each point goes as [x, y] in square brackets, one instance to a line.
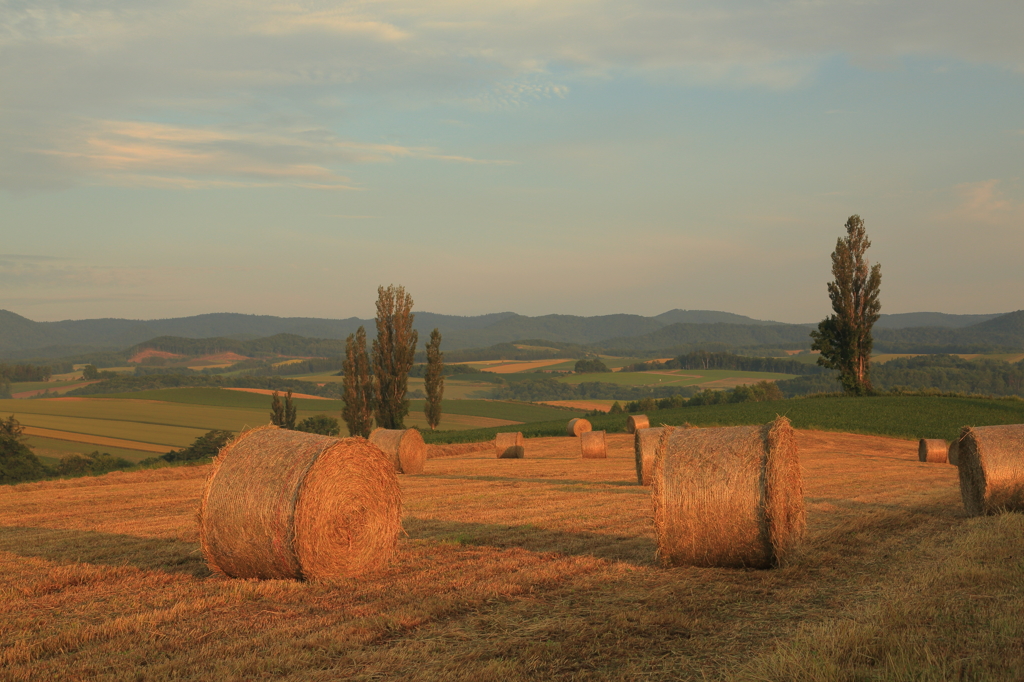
[509, 445]
[730, 496]
[953, 454]
[592, 445]
[932, 450]
[645, 446]
[578, 426]
[404, 446]
[288, 504]
[636, 422]
[992, 468]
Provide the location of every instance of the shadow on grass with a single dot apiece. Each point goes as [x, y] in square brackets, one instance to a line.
[83, 546]
[629, 549]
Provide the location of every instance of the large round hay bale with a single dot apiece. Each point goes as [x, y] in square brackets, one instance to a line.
[405, 447]
[932, 450]
[636, 422]
[592, 445]
[992, 468]
[288, 504]
[578, 426]
[510, 445]
[953, 454]
[645, 446]
[730, 496]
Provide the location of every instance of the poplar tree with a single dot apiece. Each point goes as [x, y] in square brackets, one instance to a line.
[357, 386]
[276, 410]
[290, 412]
[393, 352]
[844, 338]
[433, 380]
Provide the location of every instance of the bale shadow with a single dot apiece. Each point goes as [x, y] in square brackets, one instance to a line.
[629, 549]
[82, 546]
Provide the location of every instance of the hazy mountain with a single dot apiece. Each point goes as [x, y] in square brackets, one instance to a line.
[905, 320]
[23, 338]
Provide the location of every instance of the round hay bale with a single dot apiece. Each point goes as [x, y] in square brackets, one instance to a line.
[932, 450]
[645, 445]
[592, 445]
[287, 504]
[636, 422]
[730, 496]
[992, 468]
[404, 446]
[953, 454]
[509, 445]
[578, 426]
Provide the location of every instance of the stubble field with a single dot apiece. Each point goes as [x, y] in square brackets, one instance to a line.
[541, 568]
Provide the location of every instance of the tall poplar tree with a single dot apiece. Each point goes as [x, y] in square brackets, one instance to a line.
[357, 386]
[393, 353]
[433, 380]
[276, 410]
[844, 338]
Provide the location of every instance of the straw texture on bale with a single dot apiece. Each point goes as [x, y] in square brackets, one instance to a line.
[293, 505]
[645, 445]
[592, 445]
[730, 496]
[578, 426]
[992, 468]
[510, 445]
[405, 447]
[932, 450]
[637, 422]
[953, 454]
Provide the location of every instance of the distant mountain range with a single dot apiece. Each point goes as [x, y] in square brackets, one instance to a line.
[907, 332]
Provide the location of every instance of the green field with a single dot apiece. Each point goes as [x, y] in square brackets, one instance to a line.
[51, 450]
[910, 417]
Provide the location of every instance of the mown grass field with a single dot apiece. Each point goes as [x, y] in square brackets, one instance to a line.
[516, 570]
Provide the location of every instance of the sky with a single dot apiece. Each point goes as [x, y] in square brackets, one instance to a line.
[586, 157]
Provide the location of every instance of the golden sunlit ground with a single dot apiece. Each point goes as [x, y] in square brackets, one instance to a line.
[541, 568]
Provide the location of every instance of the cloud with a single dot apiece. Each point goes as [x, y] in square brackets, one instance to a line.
[157, 155]
[985, 202]
[136, 93]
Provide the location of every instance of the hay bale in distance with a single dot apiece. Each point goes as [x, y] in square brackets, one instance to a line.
[953, 454]
[932, 450]
[578, 426]
[510, 445]
[592, 445]
[405, 446]
[293, 505]
[992, 468]
[645, 445]
[636, 422]
[730, 496]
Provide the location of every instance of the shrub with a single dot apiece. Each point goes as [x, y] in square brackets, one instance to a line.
[207, 445]
[321, 423]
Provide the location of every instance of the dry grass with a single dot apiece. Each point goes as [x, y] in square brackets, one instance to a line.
[540, 568]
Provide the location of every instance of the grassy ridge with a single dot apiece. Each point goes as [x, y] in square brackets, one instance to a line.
[899, 416]
[689, 377]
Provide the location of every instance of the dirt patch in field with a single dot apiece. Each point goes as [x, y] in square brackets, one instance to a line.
[152, 353]
[267, 391]
[524, 366]
[579, 404]
[95, 440]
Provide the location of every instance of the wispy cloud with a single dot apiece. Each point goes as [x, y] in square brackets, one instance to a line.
[158, 155]
[985, 202]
